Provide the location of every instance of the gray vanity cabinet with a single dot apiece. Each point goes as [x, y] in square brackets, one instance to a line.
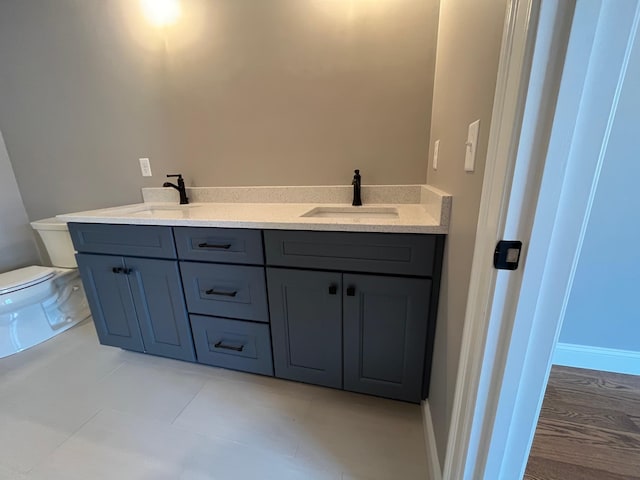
[384, 331]
[354, 310]
[306, 325]
[161, 309]
[111, 301]
[363, 333]
[133, 285]
[346, 310]
[224, 284]
[137, 304]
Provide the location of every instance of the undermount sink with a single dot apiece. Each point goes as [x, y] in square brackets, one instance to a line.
[150, 210]
[157, 210]
[352, 212]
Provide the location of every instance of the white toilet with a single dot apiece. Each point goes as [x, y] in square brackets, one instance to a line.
[37, 303]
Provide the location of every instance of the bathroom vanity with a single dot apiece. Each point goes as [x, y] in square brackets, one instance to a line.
[353, 310]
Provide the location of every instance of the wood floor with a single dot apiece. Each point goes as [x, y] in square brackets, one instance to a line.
[589, 427]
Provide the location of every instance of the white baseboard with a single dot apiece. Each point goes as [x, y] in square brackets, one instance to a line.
[433, 463]
[597, 358]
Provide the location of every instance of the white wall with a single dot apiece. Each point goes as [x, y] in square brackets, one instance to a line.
[604, 305]
[17, 246]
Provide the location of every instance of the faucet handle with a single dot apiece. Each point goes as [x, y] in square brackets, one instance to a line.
[179, 175]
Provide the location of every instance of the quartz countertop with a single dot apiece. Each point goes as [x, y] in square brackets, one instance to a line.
[411, 218]
[414, 208]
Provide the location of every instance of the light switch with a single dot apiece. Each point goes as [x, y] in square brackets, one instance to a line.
[145, 167]
[471, 147]
[436, 149]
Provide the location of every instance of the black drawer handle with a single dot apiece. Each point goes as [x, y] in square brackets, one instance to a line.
[229, 347]
[351, 291]
[333, 289]
[221, 294]
[223, 246]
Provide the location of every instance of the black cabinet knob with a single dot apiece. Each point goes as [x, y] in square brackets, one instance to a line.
[333, 290]
[351, 291]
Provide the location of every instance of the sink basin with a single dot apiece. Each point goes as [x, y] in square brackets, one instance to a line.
[352, 212]
[166, 211]
[158, 210]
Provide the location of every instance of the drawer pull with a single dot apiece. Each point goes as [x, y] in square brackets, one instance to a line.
[117, 270]
[221, 294]
[224, 246]
[229, 347]
[351, 291]
[333, 290]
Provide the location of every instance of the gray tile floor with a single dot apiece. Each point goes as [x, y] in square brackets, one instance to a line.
[73, 409]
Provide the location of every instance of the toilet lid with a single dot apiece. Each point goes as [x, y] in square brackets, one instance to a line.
[23, 278]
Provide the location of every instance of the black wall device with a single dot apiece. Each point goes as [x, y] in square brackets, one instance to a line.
[507, 255]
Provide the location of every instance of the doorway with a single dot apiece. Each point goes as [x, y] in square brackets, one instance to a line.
[523, 317]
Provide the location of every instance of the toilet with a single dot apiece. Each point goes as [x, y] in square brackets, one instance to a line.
[38, 303]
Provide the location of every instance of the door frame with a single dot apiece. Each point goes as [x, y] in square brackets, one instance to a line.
[544, 160]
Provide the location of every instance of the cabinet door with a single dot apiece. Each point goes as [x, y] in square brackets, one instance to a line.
[306, 325]
[110, 300]
[385, 329]
[161, 309]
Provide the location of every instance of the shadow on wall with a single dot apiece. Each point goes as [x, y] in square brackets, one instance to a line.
[17, 240]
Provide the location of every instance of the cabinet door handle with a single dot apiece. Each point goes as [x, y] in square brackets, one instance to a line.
[239, 348]
[333, 289]
[222, 246]
[117, 270]
[351, 291]
[221, 294]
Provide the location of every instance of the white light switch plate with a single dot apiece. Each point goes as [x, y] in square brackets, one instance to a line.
[471, 147]
[145, 167]
[436, 150]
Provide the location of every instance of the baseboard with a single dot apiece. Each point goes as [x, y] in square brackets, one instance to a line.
[433, 463]
[597, 358]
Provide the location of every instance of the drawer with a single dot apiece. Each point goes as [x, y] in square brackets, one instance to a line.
[130, 240]
[235, 291]
[404, 254]
[232, 344]
[225, 245]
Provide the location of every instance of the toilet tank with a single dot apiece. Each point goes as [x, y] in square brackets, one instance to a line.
[57, 241]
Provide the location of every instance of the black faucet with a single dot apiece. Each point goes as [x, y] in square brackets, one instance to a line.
[357, 183]
[182, 190]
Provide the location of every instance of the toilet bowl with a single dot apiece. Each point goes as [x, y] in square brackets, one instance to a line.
[38, 303]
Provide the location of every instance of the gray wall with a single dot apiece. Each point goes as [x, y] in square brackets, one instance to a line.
[603, 308]
[17, 246]
[239, 92]
[469, 39]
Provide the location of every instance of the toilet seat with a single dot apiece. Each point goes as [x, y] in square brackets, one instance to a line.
[24, 278]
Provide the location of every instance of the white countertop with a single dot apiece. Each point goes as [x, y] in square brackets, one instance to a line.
[411, 218]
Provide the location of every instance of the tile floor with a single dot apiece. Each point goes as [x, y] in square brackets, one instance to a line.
[73, 409]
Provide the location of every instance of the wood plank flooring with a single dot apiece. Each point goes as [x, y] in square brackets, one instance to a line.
[589, 427]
